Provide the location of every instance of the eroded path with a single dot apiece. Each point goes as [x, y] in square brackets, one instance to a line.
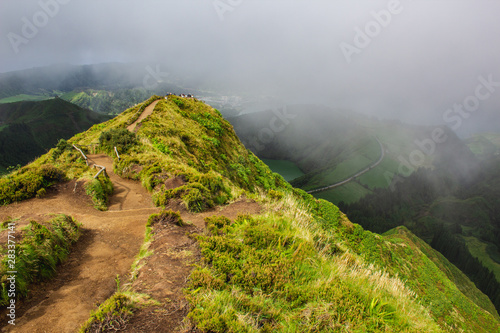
[147, 111]
[109, 242]
[108, 245]
[167, 270]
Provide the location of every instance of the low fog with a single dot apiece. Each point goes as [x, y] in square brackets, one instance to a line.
[411, 60]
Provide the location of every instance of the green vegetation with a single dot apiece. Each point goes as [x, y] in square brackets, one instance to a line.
[376, 177]
[103, 88]
[165, 218]
[35, 257]
[106, 101]
[347, 193]
[141, 109]
[452, 207]
[114, 312]
[357, 160]
[24, 97]
[144, 252]
[487, 253]
[59, 164]
[484, 145]
[99, 189]
[299, 266]
[173, 143]
[306, 268]
[121, 138]
[28, 182]
[31, 128]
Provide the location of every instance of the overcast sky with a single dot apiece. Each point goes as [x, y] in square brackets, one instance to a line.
[412, 59]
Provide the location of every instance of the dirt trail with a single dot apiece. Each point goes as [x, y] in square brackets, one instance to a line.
[109, 242]
[166, 271]
[108, 245]
[147, 111]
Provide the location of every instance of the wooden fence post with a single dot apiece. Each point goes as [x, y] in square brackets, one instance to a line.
[102, 169]
[81, 152]
[116, 151]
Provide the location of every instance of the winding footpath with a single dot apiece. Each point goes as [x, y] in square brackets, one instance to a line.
[147, 111]
[360, 173]
[110, 240]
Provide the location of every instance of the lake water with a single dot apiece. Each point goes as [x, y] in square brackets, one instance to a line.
[287, 169]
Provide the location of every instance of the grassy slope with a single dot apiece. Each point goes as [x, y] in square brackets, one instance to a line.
[106, 101]
[41, 247]
[479, 250]
[329, 147]
[302, 266]
[484, 145]
[452, 272]
[24, 97]
[328, 274]
[31, 128]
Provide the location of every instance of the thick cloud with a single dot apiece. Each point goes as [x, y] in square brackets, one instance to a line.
[421, 59]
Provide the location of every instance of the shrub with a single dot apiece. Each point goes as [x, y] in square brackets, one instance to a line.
[195, 201]
[61, 147]
[26, 183]
[166, 217]
[50, 173]
[121, 138]
[179, 102]
[41, 193]
[111, 315]
[99, 189]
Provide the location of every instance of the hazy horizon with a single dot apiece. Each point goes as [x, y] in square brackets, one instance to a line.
[409, 60]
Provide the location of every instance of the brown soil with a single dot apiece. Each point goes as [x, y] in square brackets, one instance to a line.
[109, 242]
[166, 271]
[147, 111]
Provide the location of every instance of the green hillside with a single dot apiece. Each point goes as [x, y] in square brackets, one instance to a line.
[331, 145]
[106, 101]
[297, 266]
[455, 209]
[105, 88]
[24, 97]
[484, 145]
[29, 129]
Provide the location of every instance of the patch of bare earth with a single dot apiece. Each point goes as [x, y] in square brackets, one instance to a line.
[147, 111]
[109, 242]
[165, 272]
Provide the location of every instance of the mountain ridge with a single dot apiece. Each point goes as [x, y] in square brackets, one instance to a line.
[299, 264]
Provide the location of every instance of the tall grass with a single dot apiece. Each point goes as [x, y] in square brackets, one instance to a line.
[27, 182]
[99, 189]
[41, 249]
[113, 314]
[277, 273]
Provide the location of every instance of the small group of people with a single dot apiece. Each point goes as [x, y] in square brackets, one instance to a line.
[181, 95]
